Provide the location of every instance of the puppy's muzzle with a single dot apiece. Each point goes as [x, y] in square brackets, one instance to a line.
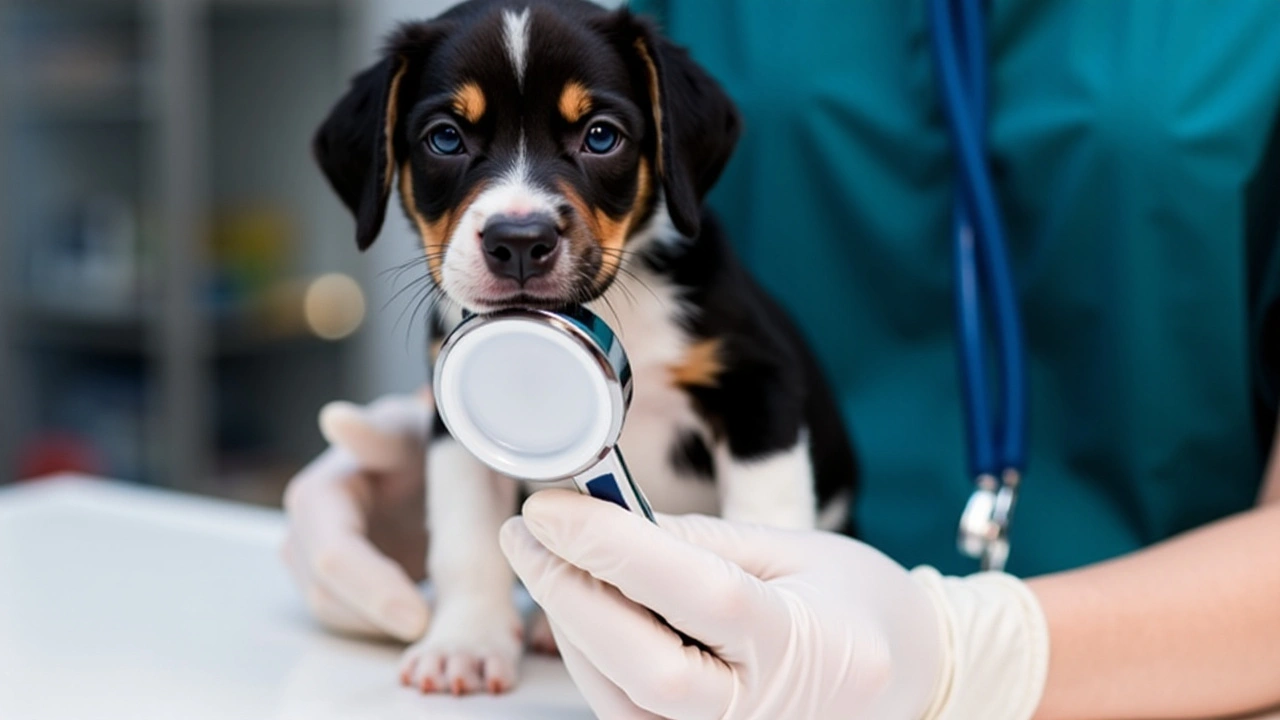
[520, 247]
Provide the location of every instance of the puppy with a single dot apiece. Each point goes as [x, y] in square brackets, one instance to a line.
[552, 153]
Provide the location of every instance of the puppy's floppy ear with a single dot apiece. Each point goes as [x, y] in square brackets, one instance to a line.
[696, 124]
[361, 142]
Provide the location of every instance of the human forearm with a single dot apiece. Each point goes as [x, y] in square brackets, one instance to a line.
[1186, 628]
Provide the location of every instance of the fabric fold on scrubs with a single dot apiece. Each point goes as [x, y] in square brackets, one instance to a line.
[1136, 149]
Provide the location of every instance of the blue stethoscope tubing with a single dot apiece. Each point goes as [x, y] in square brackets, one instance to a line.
[984, 285]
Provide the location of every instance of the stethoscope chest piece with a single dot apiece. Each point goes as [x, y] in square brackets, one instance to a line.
[984, 524]
[540, 396]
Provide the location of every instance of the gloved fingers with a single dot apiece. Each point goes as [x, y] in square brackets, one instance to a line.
[621, 639]
[323, 605]
[357, 575]
[765, 552]
[376, 446]
[606, 699]
[328, 504]
[697, 591]
[330, 495]
[405, 414]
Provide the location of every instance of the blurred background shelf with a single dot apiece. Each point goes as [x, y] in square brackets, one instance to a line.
[114, 332]
[85, 330]
[176, 280]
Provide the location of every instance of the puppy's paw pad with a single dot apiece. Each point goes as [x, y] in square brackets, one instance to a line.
[462, 660]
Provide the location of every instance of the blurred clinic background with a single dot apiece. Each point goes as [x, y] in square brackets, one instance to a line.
[180, 292]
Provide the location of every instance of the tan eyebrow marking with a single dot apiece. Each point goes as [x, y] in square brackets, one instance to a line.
[468, 101]
[575, 101]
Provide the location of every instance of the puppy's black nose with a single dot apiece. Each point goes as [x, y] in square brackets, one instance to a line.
[520, 247]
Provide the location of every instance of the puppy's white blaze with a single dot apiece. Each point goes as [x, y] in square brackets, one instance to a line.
[776, 490]
[519, 172]
[515, 35]
[513, 194]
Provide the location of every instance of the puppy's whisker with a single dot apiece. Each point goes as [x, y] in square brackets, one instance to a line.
[583, 294]
[415, 263]
[410, 263]
[626, 292]
[620, 288]
[400, 317]
[404, 268]
[430, 302]
[413, 318]
[623, 253]
[427, 295]
[639, 281]
[607, 303]
[416, 284]
[400, 273]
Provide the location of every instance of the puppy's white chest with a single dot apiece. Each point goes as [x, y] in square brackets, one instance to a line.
[645, 313]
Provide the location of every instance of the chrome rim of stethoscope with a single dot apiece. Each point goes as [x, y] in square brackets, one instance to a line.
[590, 334]
[541, 396]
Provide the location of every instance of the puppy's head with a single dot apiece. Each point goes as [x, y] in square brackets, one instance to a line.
[531, 141]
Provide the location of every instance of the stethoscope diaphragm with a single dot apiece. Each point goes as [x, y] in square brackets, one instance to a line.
[541, 396]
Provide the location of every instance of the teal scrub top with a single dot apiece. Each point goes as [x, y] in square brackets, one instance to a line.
[1137, 155]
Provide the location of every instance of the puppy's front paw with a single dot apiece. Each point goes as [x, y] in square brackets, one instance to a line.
[471, 647]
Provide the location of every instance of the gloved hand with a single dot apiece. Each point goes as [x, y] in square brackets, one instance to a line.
[357, 540]
[800, 625]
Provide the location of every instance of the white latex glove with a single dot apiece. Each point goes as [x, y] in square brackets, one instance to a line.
[357, 539]
[801, 625]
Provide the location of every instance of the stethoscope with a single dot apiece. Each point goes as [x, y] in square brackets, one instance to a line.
[541, 396]
[997, 445]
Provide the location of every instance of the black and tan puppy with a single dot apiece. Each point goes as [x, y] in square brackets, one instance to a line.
[550, 152]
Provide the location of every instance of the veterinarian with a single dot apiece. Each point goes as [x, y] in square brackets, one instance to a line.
[1137, 156]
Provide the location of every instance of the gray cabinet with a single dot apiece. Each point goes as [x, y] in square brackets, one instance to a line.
[161, 230]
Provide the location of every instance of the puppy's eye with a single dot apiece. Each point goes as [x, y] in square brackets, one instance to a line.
[601, 138]
[445, 140]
